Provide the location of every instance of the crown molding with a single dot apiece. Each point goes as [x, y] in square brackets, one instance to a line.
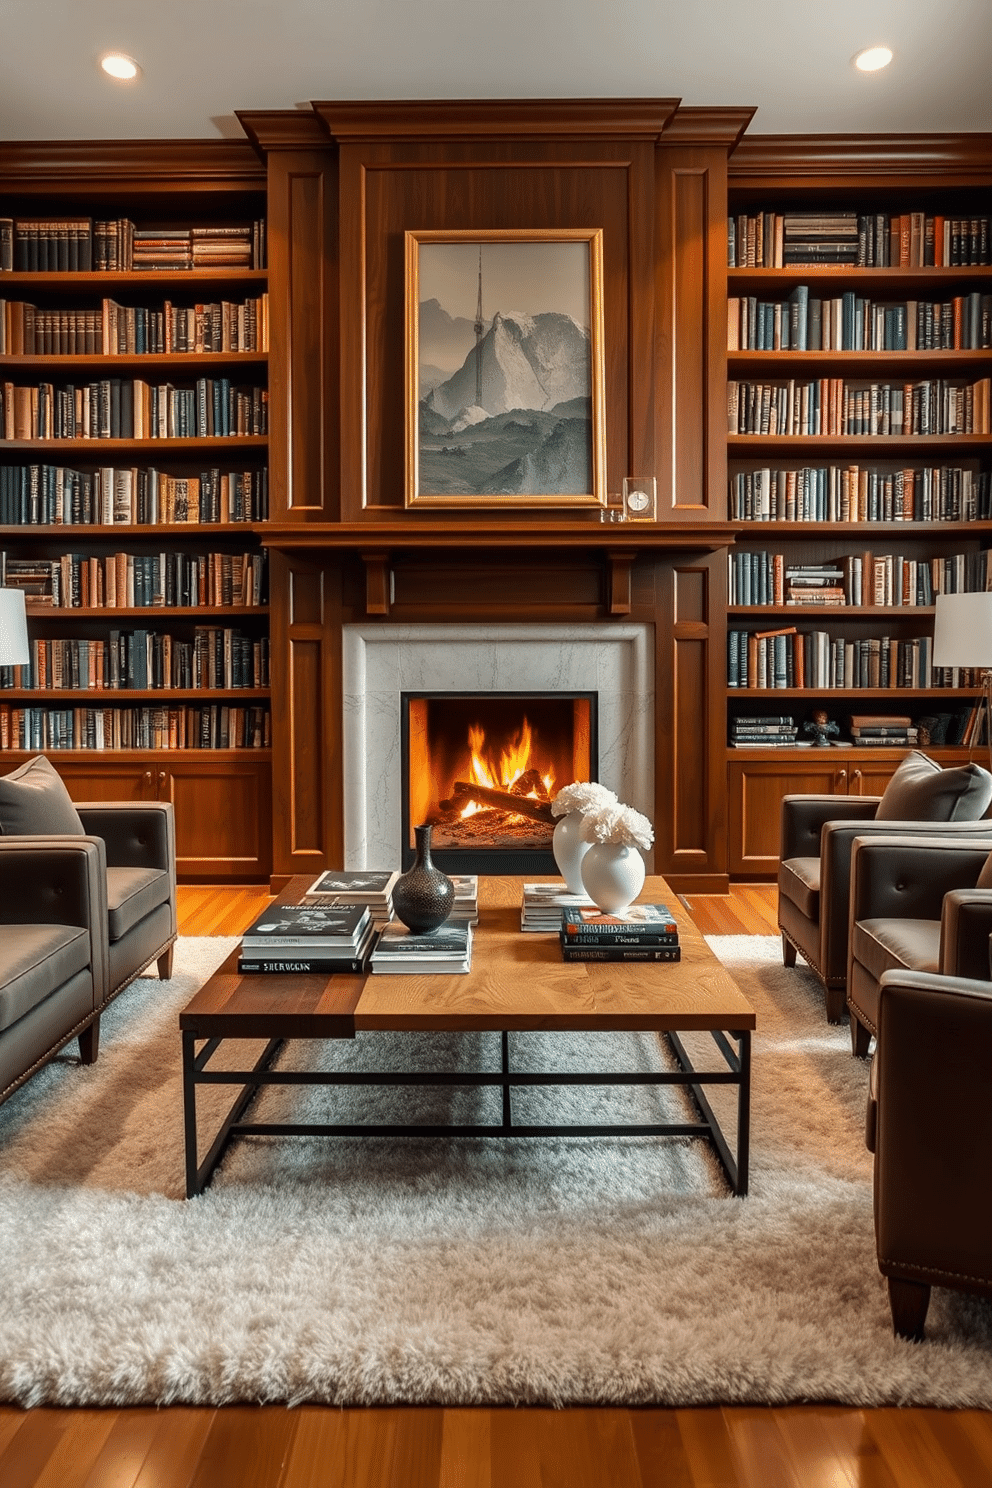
[282, 129]
[950, 158]
[708, 126]
[497, 118]
[104, 164]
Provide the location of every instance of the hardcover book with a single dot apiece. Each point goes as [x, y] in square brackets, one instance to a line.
[307, 925]
[641, 921]
[356, 885]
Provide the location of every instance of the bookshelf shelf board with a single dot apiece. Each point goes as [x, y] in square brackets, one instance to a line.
[851, 362]
[846, 752]
[851, 612]
[137, 612]
[56, 279]
[44, 696]
[797, 530]
[903, 280]
[880, 444]
[962, 695]
[130, 756]
[138, 446]
[133, 532]
[147, 361]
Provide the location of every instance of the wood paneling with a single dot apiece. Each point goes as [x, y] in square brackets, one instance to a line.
[223, 817]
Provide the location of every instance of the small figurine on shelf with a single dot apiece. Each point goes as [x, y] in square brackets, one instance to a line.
[821, 728]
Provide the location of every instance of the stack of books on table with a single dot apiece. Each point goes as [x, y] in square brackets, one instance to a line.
[644, 932]
[370, 886]
[398, 951]
[466, 906]
[308, 938]
[771, 731]
[881, 731]
[542, 904]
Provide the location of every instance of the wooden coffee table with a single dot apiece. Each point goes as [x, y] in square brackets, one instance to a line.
[518, 982]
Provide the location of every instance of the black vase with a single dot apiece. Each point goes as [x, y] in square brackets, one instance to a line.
[423, 897]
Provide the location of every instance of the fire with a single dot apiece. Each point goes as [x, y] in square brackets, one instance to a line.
[514, 761]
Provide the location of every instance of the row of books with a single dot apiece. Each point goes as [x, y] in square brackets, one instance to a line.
[859, 493]
[134, 330]
[129, 408]
[815, 659]
[209, 726]
[215, 657]
[80, 245]
[764, 731]
[138, 580]
[43, 495]
[645, 932]
[851, 322]
[882, 579]
[906, 240]
[831, 405]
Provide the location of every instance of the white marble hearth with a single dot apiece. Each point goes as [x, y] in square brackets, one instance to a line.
[381, 661]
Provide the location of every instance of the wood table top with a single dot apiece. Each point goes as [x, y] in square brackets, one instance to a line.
[517, 981]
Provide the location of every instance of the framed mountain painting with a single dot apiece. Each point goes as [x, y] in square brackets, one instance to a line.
[504, 369]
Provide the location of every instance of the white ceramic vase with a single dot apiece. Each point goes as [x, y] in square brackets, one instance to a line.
[569, 848]
[612, 876]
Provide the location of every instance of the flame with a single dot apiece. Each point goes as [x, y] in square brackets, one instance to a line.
[514, 761]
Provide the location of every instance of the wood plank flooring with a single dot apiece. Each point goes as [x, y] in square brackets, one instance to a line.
[810, 1446]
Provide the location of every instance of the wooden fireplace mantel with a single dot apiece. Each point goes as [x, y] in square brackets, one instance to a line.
[632, 537]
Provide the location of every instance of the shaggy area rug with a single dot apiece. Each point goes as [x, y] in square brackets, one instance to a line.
[554, 1270]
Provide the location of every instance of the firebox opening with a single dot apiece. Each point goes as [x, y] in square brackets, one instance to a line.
[483, 768]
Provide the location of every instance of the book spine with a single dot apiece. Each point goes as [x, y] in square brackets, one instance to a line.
[306, 965]
[622, 953]
[622, 938]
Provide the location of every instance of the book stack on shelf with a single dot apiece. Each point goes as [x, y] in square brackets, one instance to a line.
[80, 245]
[644, 932]
[880, 240]
[770, 731]
[308, 938]
[444, 951]
[542, 904]
[371, 887]
[884, 731]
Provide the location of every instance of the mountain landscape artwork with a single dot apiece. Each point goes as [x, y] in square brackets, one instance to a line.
[506, 353]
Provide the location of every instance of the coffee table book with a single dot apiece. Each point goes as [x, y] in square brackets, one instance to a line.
[308, 926]
[542, 904]
[448, 949]
[642, 925]
[357, 886]
[275, 960]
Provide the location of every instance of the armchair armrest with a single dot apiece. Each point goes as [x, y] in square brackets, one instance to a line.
[965, 927]
[58, 881]
[906, 877]
[138, 834]
[803, 818]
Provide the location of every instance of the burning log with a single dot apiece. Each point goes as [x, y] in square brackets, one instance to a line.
[484, 795]
[530, 781]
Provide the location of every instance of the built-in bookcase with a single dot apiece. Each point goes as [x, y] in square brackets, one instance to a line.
[859, 450]
[134, 337]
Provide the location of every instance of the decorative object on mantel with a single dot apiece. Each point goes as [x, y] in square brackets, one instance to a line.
[821, 728]
[568, 844]
[423, 897]
[640, 498]
[613, 869]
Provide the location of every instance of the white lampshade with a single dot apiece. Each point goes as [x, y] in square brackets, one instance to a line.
[962, 632]
[14, 650]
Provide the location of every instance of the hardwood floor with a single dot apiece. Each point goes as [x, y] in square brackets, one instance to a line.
[809, 1446]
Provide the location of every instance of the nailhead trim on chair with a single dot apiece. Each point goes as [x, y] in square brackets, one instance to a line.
[50, 1054]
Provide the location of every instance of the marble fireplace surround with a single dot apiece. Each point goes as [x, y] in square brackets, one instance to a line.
[615, 659]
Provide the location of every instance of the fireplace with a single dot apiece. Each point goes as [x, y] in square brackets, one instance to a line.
[483, 768]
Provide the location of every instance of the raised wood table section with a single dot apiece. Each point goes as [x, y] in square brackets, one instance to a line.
[518, 982]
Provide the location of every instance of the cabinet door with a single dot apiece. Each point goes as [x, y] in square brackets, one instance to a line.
[870, 777]
[105, 782]
[223, 819]
[756, 788]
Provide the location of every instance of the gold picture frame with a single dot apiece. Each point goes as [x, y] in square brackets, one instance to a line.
[504, 369]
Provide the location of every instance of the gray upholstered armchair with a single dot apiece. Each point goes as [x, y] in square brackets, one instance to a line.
[815, 854]
[53, 952]
[918, 903]
[928, 1116]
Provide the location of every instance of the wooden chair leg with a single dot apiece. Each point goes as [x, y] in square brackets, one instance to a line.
[164, 964]
[788, 952]
[909, 1301]
[860, 1038]
[836, 1003]
[89, 1043]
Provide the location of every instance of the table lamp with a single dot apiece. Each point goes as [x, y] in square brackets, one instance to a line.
[14, 649]
[962, 637]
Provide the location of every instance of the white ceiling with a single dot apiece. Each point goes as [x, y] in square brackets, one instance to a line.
[202, 59]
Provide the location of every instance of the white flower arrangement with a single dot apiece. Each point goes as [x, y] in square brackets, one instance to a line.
[583, 796]
[618, 824]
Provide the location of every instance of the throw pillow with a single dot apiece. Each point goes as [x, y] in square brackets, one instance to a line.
[921, 791]
[35, 803]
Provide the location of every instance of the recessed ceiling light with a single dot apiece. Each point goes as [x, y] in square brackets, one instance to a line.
[120, 66]
[872, 59]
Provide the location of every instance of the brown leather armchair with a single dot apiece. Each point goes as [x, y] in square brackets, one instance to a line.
[53, 952]
[928, 1117]
[814, 878]
[918, 903]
